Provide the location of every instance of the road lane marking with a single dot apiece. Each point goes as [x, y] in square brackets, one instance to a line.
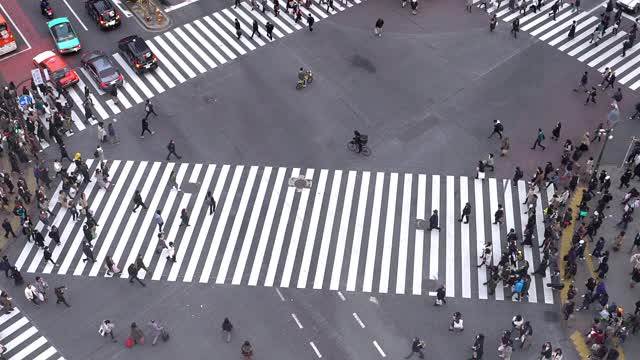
[480, 240]
[403, 246]
[76, 15]
[341, 296]
[367, 283]
[355, 316]
[375, 343]
[464, 238]
[435, 235]
[295, 318]
[338, 257]
[315, 349]
[418, 253]
[357, 233]
[328, 230]
[280, 294]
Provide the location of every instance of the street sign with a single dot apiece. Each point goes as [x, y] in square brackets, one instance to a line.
[36, 75]
[24, 101]
[46, 75]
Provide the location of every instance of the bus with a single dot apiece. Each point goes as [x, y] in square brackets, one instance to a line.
[7, 40]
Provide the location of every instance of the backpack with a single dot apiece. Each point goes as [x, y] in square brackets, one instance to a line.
[499, 127]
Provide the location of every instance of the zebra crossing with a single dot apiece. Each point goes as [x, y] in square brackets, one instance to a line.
[22, 340]
[351, 230]
[607, 54]
[187, 51]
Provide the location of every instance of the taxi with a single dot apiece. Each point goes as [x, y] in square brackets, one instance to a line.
[59, 72]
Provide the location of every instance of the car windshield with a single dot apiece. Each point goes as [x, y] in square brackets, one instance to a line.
[144, 57]
[106, 71]
[63, 32]
[59, 74]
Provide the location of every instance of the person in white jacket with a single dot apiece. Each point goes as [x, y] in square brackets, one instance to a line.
[32, 294]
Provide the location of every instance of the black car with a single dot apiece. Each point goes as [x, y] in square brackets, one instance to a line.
[103, 13]
[137, 53]
[99, 65]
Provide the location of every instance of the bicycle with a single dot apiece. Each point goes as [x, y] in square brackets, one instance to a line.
[351, 145]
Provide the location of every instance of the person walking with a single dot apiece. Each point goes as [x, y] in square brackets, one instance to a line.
[173, 181]
[137, 201]
[554, 9]
[416, 348]
[246, 350]
[46, 253]
[8, 229]
[156, 331]
[113, 136]
[493, 21]
[238, 29]
[211, 202]
[172, 150]
[42, 287]
[5, 265]
[310, 21]
[539, 139]
[132, 270]
[490, 163]
[377, 30]
[498, 128]
[136, 334]
[457, 323]
[433, 221]
[269, 26]
[87, 251]
[140, 263]
[515, 27]
[591, 96]
[572, 31]
[157, 217]
[184, 217]
[555, 133]
[498, 215]
[59, 292]
[171, 252]
[611, 80]
[31, 293]
[468, 5]
[466, 211]
[227, 327]
[330, 6]
[106, 328]
[256, 29]
[145, 128]
[505, 146]
[148, 108]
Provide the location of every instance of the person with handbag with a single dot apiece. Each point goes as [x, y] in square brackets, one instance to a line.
[136, 334]
[156, 331]
[478, 347]
[106, 328]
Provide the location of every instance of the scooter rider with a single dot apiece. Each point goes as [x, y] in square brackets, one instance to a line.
[44, 4]
[302, 77]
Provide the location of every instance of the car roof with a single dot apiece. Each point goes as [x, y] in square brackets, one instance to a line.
[43, 56]
[93, 55]
[136, 43]
[101, 5]
[57, 21]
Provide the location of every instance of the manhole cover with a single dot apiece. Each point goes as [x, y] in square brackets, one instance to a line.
[421, 224]
[300, 183]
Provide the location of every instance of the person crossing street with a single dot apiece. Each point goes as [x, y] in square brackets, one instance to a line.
[172, 150]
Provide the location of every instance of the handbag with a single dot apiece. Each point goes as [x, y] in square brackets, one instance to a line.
[129, 343]
[164, 335]
[102, 331]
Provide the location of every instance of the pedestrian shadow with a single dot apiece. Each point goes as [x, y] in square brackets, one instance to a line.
[363, 63]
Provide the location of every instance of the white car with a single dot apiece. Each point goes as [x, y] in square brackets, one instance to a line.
[632, 6]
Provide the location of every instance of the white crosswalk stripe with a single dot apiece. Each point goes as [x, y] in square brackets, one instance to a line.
[21, 339]
[351, 230]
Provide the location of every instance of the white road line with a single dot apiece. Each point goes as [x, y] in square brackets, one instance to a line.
[224, 35]
[105, 214]
[123, 100]
[387, 246]
[6, 317]
[153, 241]
[77, 121]
[179, 5]
[615, 49]
[230, 54]
[627, 65]
[294, 239]
[203, 55]
[588, 22]
[95, 204]
[315, 349]
[295, 318]
[554, 24]
[356, 246]
[126, 12]
[367, 283]
[131, 91]
[172, 234]
[341, 296]
[212, 50]
[548, 294]
[112, 106]
[418, 253]
[528, 252]
[221, 225]
[183, 246]
[451, 240]
[120, 213]
[185, 52]
[328, 229]
[14, 327]
[226, 24]
[251, 227]
[175, 58]
[403, 241]
[232, 239]
[25, 352]
[464, 241]
[342, 231]
[319, 13]
[564, 27]
[46, 354]
[577, 39]
[619, 58]
[17, 30]
[280, 294]
[630, 76]
[141, 85]
[155, 83]
[480, 240]
[355, 316]
[133, 217]
[22, 337]
[375, 343]
[601, 47]
[313, 229]
[165, 78]
[276, 248]
[204, 228]
[90, 80]
[435, 235]
[495, 230]
[76, 15]
[195, 174]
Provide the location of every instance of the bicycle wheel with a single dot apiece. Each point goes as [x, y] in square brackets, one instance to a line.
[366, 151]
[351, 146]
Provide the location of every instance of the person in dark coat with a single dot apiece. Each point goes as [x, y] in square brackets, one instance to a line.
[478, 347]
[86, 249]
[310, 21]
[433, 221]
[5, 265]
[16, 276]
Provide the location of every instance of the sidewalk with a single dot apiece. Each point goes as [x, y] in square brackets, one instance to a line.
[617, 280]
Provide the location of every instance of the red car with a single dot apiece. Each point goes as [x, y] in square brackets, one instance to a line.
[59, 71]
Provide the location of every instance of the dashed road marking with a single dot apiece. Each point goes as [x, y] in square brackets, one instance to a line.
[355, 316]
[375, 343]
[315, 349]
[295, 318]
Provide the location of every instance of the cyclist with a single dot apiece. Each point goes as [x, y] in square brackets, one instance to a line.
[302, 77]
[357, 139]
[44, 4]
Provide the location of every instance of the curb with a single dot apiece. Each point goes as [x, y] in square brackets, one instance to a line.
[141, 21]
